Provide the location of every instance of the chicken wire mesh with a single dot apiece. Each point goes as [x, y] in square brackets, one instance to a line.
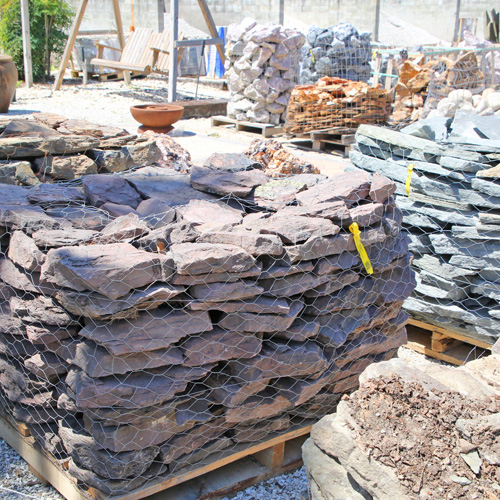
[262, 67]
[338, 51]
[447, 188]
[221, 309]
[336, 106]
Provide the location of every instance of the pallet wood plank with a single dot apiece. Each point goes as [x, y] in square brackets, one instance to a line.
[150, 489]
[272, 457]
[266, 129]
[449, 333]
[419, 340]
[27, 450]
[441, 343]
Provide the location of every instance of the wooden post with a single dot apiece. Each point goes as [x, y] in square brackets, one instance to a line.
[211, 27]
[378, 68]
[70, 43]
[25, 22]
[174, 33]
[121, 38]
[390, 70]
[376, 28]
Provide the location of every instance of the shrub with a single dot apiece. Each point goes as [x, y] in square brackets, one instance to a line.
[49, 20]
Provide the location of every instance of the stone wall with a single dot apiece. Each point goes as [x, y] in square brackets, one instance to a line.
[151, 319]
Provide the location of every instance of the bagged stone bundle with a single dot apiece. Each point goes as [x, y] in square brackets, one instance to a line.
[224, 308]
[262, 68]
[450, 199]
[338, 51]
[336, 105]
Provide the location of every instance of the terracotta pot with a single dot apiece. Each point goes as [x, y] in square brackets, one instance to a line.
[157, 117]
[8, 81]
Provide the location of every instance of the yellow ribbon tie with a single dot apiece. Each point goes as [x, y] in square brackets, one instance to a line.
[408, 179]
[312, 55]
[354, 228]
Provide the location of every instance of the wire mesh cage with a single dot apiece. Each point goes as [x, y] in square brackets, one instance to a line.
[338, 51]
[336, 105]
[448, 190]
[153, 320]
[262, 68]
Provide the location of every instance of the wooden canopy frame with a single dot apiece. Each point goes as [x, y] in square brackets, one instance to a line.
[175, 43]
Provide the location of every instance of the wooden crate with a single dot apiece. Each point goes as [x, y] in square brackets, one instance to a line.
[231, 471]
[265, 129]
[444, 344]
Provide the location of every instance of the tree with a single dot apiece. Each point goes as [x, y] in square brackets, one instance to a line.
[49, 20]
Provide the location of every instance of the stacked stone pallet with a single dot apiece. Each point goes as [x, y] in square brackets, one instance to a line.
[339, 51]
[336, 105]
[452, 214]
[221, 308]
[262, 68]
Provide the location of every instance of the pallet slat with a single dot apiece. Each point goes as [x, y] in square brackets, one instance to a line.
[444, 345]
[256, 463]
[265, 129]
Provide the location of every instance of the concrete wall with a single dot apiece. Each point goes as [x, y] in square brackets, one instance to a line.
[435, 16]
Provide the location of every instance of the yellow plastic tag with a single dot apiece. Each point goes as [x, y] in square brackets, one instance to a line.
[408, 179]
[354, 228]
[312, 55]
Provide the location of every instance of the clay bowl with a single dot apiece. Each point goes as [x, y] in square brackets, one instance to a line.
[157, 117]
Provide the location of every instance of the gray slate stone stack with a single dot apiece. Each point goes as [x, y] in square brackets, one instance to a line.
[262, 67]
[452, 215]
[212, 313]
[340, 51]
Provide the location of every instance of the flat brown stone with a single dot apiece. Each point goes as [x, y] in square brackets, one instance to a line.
[222, 292]
[254, 244]
[112, 269]
[204, 258]
[24, 252]
[267, 323]
[202, 211]
[219, 345]
[151, 330]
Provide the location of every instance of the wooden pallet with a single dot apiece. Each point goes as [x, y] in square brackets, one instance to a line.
[444, 344]
[233, 470]
[327, 140]
[264, 129]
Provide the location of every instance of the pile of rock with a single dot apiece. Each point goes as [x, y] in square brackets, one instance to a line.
[52, 148]
[339, 51]
[484, 104]
[262, 68]
[277, 160]
[411, 432]
[452, 213]
[220, 308]
[336, 105]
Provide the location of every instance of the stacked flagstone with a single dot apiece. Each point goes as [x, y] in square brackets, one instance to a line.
[452, 214]
[262, 69]
[339, 51]
[223, 307]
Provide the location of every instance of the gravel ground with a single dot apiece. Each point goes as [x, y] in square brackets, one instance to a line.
[17, 482]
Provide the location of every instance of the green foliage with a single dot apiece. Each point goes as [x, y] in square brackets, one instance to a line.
[49, 20]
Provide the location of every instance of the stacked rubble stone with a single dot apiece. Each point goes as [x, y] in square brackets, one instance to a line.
[339, 51]
[262, 68]
[221, 308]
[422, 429]
[452, 214]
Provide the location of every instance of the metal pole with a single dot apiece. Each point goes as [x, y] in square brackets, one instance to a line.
[281, 19]
[456, 34]
[377, 21]
[25, 22]
[174, 28]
